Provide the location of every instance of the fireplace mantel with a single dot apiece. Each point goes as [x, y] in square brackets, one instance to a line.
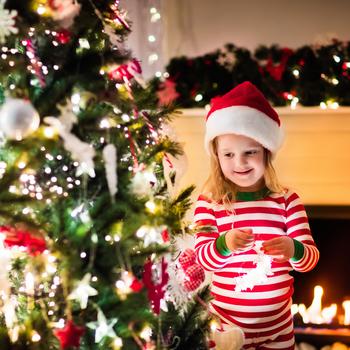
[314, 161]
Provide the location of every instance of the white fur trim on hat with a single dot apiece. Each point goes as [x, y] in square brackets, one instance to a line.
[246, 121]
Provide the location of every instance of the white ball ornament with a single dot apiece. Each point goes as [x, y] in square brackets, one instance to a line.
[18, 119]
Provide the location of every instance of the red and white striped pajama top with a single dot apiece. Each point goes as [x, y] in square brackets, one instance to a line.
[265, 309]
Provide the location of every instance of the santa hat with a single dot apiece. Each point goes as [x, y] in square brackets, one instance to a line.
[244, 111]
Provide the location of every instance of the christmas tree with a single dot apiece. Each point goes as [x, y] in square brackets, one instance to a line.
[88, 201]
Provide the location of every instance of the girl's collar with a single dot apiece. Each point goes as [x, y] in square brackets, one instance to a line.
[253, 196]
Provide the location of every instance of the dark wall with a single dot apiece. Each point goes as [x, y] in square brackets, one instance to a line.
[332, 237]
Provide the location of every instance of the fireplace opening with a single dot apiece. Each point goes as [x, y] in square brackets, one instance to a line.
[319, 312]
[330, 227]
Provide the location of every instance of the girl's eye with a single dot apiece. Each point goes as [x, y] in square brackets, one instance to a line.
[251, 152]
[228, 155]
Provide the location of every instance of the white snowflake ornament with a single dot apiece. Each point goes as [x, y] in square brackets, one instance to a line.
[7, 22]
[257, 275]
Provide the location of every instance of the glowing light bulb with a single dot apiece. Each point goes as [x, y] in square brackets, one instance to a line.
[21, 165]
[35, 337]
[323, 105]
[49, 132]
[105, 124]
[117, 343]
[151, 206]
[29, 283]
[75, 98]
[336, 58]
[146, 333]
[214, 325]
[294, 102]
[152, 58]
[199, 97]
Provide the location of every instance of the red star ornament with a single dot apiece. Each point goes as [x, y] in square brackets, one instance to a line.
[69, 335]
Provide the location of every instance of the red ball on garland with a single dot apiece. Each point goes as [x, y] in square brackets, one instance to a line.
[69, 335]
[136, 285]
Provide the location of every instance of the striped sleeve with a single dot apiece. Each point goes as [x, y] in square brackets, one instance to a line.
[298, 228]
[205, 244]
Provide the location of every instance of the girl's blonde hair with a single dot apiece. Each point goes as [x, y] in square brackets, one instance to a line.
[218, 188]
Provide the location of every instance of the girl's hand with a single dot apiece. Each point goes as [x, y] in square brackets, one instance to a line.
[281, 248]
[239, 240]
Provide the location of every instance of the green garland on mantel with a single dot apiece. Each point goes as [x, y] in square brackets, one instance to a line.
[317, 75]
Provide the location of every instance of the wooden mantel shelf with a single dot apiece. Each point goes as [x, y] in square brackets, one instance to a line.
[314, 160]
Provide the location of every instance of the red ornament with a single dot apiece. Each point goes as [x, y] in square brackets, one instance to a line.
[136, 285]
[165, 236]
[63, 36]
[34, 245]
[276, 70]
[194, 273]
[156, 292]
[187, 258]
[125, 72]
[167, 93]
[194, 277]
[69, 335]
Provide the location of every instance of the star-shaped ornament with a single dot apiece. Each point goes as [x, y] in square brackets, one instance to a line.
[69, 335]
[103, 327]
[83, 291]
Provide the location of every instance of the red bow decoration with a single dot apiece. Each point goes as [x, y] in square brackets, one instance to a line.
[125, 72]
[34, 245]
[194, 273]
[156, 292]
[276, 70]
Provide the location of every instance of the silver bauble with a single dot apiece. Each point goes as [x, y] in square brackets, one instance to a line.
[18, 118]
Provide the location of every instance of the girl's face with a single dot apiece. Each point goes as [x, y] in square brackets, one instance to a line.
[242, 161]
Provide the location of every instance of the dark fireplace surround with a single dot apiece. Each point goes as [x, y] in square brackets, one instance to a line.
[330, 226]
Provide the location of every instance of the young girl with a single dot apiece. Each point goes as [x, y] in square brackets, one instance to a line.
[249, 213]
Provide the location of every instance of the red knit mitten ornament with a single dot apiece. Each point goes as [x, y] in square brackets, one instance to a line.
[194, 273]
[187, 258]
[194, 277]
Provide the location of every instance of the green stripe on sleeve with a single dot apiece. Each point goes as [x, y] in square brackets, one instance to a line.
[221, 245]
[298, 250]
